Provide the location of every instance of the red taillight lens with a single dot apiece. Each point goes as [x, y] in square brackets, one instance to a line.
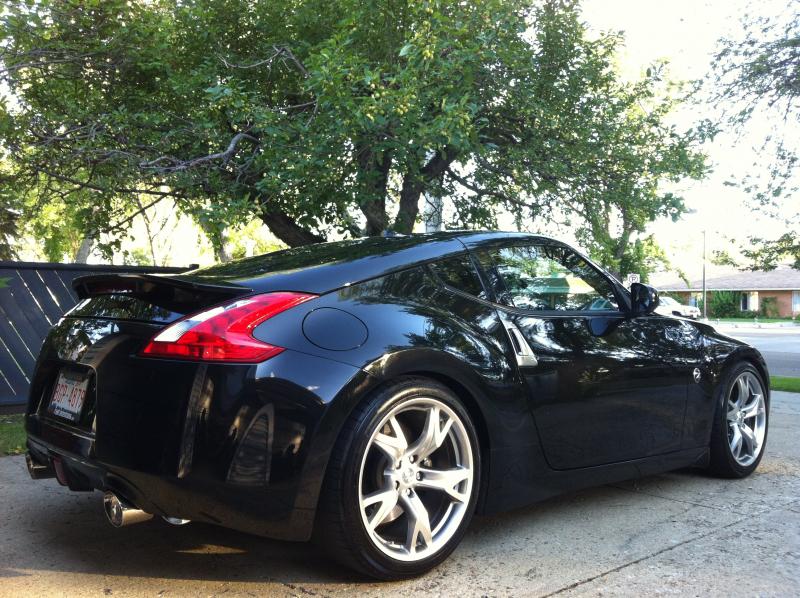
[224, 332]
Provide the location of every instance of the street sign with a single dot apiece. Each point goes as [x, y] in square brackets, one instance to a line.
[631, 278]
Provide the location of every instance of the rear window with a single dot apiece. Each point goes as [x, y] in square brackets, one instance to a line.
[459, 273]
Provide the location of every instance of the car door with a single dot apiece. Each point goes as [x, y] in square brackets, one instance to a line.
[603, 386]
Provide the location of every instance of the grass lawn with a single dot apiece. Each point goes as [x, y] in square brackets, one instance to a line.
[786, 383]
[12, 435]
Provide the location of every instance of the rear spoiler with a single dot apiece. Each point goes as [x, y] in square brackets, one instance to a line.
[170, 292]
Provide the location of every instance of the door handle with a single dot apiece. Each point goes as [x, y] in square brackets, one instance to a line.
[522, 350]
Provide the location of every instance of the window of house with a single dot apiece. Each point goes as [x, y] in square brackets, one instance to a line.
[547, 278]
[796, 301]
[745, 302]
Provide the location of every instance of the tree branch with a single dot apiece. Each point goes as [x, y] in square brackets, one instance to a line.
[180, 165]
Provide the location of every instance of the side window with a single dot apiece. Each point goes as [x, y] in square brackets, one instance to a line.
[459, 273]
[547, 278]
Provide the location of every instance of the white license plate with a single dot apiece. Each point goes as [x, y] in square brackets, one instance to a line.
[69, 395]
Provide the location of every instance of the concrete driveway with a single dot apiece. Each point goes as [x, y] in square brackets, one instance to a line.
[680, 533]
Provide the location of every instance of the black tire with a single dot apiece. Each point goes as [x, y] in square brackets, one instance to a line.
[339, 528]
[722, 462]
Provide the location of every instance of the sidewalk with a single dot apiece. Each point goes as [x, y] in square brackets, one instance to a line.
[778, 327]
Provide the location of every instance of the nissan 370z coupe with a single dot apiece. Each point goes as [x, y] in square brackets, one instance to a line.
[374, 394]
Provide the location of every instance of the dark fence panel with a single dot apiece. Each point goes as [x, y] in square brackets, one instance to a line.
[33, 296]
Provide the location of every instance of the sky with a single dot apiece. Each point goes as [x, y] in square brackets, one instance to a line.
[685, 33]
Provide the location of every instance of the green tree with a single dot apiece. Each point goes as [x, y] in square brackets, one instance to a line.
[633, 152]
[320, 116]
[757, 74]
[8, 233]
[9, 216]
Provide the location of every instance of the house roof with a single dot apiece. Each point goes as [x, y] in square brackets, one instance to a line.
[784, 277]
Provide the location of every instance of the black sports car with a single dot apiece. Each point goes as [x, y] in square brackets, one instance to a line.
[374, 394]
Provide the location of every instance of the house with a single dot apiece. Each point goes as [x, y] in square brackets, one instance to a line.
[752, 287]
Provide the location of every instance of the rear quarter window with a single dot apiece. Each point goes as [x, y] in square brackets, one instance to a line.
[459, 273]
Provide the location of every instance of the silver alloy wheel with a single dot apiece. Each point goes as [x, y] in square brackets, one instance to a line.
[747, 418]
[416, 479]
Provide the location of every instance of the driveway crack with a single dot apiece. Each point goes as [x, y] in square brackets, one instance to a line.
[788, 506]
[686, 502]
[582, 582]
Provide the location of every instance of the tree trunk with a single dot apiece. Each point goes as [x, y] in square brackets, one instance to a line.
[409, 205]
[148, 231]
[287, 230]
[413, 186]
[221, 252]
[85, 249]
[374, 175]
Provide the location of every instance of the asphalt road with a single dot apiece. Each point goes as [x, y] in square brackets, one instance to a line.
[780, 347]
[680, 533]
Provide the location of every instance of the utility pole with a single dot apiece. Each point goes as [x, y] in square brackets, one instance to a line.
[705, 305]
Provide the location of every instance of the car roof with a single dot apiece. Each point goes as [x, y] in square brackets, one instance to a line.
[323, 267]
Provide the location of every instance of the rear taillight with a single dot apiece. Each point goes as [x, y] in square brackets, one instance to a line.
[225, 332]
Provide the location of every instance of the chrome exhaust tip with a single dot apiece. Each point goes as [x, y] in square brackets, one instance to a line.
[121, 513]
[176, 520]
[37, 471]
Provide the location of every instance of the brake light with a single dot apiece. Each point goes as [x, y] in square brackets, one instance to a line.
[224, 333]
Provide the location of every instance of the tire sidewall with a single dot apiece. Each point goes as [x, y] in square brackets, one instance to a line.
[381, 404]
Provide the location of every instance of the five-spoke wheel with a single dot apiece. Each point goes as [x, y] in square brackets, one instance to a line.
[415, 478]
[403, 481]
[747, 418]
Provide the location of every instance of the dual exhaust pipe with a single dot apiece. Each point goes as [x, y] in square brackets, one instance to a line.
[121, 513]
[118, 510]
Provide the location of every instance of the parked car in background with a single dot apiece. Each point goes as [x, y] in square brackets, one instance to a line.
[669, 307]
[373, 394]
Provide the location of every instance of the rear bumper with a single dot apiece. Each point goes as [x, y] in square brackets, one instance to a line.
[255, 511]
[236, 446]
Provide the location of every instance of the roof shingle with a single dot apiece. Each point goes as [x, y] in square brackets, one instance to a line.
[784, 277]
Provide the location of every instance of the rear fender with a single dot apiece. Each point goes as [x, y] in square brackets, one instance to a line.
[504, 421]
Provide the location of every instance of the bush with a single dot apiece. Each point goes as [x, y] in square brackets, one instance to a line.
[769, 307]
[724, 304]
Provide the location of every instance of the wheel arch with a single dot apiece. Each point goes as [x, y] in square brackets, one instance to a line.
[747, 355]
[438, 366]
[475, 412]
[744, 354]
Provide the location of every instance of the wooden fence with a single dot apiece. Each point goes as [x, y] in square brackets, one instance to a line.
[33, 296]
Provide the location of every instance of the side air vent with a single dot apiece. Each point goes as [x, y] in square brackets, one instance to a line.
[251, 465]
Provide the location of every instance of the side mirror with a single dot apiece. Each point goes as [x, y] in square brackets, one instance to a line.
[644, 299]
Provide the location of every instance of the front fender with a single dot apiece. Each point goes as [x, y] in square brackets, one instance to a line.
[720, 353]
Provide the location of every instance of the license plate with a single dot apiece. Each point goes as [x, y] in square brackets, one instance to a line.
[69, 395]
